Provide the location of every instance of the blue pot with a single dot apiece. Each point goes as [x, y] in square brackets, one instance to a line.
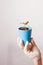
[25, 35]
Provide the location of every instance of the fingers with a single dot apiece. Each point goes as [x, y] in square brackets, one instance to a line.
[20, 43]
[32, 42]
[27, 47]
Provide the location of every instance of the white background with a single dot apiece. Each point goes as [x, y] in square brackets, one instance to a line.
[11, 13]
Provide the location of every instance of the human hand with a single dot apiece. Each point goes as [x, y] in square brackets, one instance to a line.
[31, 49]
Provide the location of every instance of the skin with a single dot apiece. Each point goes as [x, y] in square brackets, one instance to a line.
[31, 50]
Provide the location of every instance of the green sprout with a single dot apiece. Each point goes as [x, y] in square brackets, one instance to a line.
[25, 23]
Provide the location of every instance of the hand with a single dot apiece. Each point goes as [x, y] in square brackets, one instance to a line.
[31, 49]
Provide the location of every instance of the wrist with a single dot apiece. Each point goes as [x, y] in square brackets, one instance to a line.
[37, 61]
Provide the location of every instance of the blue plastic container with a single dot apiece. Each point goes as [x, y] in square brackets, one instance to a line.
[25, 35]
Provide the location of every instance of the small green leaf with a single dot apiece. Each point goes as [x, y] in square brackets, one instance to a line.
[25, 23]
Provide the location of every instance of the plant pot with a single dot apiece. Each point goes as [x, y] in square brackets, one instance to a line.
[24, 33]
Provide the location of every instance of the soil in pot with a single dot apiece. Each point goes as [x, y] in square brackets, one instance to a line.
[23, 28]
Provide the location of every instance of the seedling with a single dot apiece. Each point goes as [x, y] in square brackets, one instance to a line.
[25, 23]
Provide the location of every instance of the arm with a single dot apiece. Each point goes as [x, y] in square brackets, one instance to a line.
[32, 51]
[37, 62]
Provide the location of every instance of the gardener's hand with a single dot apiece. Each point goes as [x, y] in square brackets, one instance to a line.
[31, 49]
